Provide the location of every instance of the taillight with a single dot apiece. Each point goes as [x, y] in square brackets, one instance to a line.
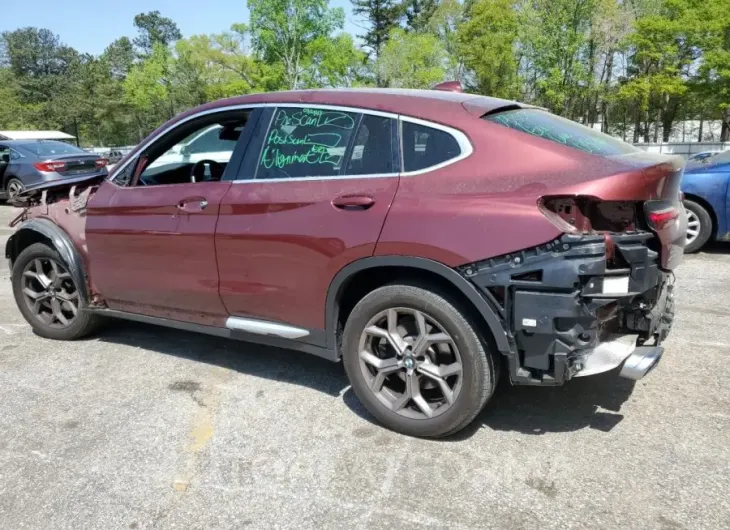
[660, 219]
[49, 167]
[101, 162]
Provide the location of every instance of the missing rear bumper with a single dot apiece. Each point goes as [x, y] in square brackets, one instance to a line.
[571, 309]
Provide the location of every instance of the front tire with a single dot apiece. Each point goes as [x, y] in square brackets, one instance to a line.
[416, 362]
[47, 295]
[699, 226]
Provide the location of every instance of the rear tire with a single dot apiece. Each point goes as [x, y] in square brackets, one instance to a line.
[699, 226]
[437, 384]
[13, 188]
[47, 295]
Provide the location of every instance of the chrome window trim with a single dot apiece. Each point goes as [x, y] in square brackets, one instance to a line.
[461, 138]
[464, 145]
[316, 178]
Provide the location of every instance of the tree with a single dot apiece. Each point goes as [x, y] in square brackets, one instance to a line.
[487, 40]
[418, 13]
[381, 16]
[147, 89]
[282, 31]
[335, 62]
[412, 60]
[120, 57]
[153, 29]
[444, 24]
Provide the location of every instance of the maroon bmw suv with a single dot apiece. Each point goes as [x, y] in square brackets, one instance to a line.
[429, 239]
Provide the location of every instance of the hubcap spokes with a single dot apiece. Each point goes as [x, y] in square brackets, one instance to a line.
[693, 226]
[411, 363]
[50, 292]
[13, 189]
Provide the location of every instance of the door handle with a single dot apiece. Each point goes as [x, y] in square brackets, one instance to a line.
[196, 204]
[353, 202]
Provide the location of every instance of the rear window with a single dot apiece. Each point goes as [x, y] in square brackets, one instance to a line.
[50, 148]
[560, 130]
[425, 147]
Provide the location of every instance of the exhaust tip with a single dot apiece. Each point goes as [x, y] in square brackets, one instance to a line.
[642, 361]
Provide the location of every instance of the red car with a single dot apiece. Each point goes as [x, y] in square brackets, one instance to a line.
[429, 239]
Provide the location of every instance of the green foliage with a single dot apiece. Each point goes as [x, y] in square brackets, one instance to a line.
[412, 60]
[630, 65]
[283, 32]
[381, 16]
[486, 41]
[153, 29]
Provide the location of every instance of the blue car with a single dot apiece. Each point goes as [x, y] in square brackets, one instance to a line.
[707, 200]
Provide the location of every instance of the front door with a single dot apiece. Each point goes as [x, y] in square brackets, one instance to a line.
[150, 231]
[312, 196]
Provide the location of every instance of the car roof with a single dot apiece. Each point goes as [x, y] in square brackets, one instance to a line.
[436, 105]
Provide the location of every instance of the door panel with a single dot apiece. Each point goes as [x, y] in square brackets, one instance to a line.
[152, 249]
[279, 244]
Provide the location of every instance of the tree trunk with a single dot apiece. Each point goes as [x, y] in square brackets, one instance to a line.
[699, 136]
[725, 133]
[637, 125]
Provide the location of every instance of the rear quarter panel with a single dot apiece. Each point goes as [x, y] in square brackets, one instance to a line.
[486, 205]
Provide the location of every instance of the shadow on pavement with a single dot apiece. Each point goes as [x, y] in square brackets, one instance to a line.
[591, 402]
[716, 247]
[261, 361]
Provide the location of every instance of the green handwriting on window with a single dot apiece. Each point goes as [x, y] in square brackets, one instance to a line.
[314, 118]
[315, 155]
[310, 137]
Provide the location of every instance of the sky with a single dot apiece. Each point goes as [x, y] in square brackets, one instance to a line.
[89, 27]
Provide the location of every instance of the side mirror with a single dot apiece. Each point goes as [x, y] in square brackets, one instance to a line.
[185, 150]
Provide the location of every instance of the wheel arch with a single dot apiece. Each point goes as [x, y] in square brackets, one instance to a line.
[710, 210]
[346, 280]
[47, 232]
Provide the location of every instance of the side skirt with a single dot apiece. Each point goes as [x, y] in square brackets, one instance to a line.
[228, 333]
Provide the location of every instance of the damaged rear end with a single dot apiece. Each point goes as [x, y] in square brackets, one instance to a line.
[599, 296]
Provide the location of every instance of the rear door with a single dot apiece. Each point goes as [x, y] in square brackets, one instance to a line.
[311, 196]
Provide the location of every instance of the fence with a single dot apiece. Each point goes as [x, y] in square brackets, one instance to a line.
[684, 149]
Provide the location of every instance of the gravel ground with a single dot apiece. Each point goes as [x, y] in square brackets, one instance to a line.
[143, 427]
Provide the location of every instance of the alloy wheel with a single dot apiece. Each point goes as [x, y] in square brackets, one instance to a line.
[410, 363]
[14, 187]
[693, 226]
[50, 292]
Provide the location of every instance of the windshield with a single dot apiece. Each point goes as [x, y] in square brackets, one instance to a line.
[560, 130]
[49, 148]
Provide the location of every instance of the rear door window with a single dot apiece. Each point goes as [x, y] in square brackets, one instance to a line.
[306, 142]
[425, 147]
[373, 150]
[542, 124]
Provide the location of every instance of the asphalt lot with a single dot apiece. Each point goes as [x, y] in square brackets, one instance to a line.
[143, 427]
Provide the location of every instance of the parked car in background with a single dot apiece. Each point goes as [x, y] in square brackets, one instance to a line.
[424, 238]
[707, 196]
[701, 157]
[114, 156]
[29, 163]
